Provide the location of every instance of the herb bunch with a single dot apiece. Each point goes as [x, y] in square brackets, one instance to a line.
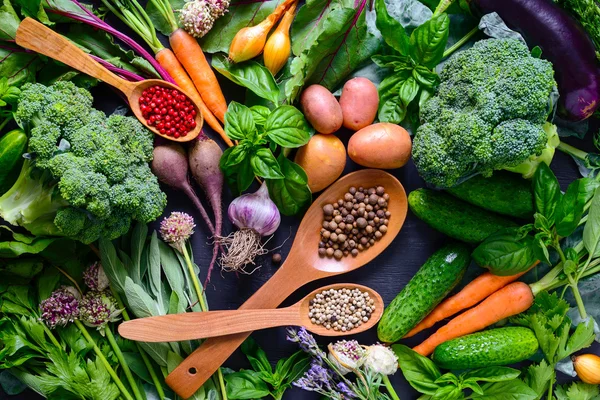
[261, 133]
[411, 61]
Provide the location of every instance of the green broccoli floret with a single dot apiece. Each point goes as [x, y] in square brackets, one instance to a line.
[87, 175]
[487, 114]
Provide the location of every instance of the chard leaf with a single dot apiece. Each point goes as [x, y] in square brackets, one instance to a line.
[18, 65]
[9, 21]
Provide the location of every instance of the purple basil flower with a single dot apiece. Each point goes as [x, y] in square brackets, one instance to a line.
[61, 308]
[306, 341]
[95, 278]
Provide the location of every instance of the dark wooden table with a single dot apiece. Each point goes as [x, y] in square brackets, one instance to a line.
[387, 274]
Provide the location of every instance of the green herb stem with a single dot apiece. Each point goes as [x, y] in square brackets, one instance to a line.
[104, 361]
[121, 358]
[51, 336]
[547, 280]
[166, 11]
[147, 362]
[390, 388]
[551, 386]
[461, 41]
[577, 295]
[3, 124]
[572, 151]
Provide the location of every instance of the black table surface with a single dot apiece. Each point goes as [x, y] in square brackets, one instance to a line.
[387, 274]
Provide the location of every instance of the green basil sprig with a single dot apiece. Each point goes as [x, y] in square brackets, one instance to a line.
[411, 60]
[261, 133]
[263, 380]
[485, 383]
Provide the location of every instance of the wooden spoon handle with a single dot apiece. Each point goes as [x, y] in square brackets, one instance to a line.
[34, 36]
[202, 325]
[199, 366]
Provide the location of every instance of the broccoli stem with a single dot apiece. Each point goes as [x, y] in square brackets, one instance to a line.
[572, 151]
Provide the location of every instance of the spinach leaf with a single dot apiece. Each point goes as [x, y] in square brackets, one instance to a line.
[591, 231]
[291, 194]
[428, 41]
[287, 127]
[251, 75]
[546, 192]
[239, 122]
[264, 164]
[392, 31]
[507, 252]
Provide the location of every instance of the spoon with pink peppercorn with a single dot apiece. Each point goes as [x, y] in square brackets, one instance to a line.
[334, 310]
[161, 106]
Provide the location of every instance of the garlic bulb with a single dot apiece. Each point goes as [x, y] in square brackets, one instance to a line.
[255, 211]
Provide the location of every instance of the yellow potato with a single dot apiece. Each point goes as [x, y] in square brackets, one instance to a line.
[359, 102]
[323, 158]
[321, 109]
[381, 145]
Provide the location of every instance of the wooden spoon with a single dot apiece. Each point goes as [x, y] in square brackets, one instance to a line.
[202, 325]
[34, 36]
[302, 265]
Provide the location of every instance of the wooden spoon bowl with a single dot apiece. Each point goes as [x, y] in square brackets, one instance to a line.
[34, 36]
[202, 325]
[302, 265]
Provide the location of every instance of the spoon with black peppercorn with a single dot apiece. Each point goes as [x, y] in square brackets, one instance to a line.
[352, 309]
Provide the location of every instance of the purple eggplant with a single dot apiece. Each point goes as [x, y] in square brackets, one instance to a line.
[563, 42]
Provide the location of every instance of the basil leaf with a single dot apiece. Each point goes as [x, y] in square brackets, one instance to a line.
[428, 41]
[448, 377]
[449, 392]
[239, 122]
[591, 231]
[473, 385]
[513, 390]
[570, 208]
[392, 31]
[390, 105]
[491, 374]
[287, 127]
[245, 176]
[392, 61]
[420, 372]
[291, 194]
[546, 192]
[250, 74]
[260, 114]
[264, 164]
[506, 252]
[425, 77]
[257, 356]
[408, 91]
[245, 385]
[233, 156]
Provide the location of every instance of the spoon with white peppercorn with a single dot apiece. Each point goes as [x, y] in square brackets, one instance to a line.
[334, 310]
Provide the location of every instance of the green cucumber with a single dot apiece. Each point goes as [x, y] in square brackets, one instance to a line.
[454, 217]
[12, 147]
[499, 346]
[504, 192]
[430, 285]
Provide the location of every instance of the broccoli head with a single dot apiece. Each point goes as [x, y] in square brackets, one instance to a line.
[488, 113]
[87, 175]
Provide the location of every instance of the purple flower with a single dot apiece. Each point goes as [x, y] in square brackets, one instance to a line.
[95, 278]
[345, 390]
[218, 7]
[197, 17]
[306, 341]
[61, 308]
[97, 309]
[316, 379]
[177, 229]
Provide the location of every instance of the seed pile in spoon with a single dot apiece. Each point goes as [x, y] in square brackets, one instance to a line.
[341, 309]
[355, 222]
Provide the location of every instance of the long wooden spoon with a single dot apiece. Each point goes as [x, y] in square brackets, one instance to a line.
[302, 265]
[202, 325]
[34, 36]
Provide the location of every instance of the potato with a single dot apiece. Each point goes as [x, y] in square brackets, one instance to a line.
[321, 109]
[323, 158]
[359, 102]
[381, 145]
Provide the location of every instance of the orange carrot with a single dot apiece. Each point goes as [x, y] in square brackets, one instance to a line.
[169, 62]
[480, 288]
[191, 56]
[506, 302]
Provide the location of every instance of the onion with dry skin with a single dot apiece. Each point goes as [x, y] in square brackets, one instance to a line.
[587, 367]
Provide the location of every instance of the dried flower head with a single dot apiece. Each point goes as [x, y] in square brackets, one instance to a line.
[61, 308]
[381, 360]
[197, 17]
[177, 229]
[346, 355]
[97, 309]
[306, 341]
[95, 278]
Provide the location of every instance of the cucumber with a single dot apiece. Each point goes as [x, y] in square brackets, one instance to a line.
[436, 278]
[454, 217]
[504, 192]
[12, 147]
[499, 346]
